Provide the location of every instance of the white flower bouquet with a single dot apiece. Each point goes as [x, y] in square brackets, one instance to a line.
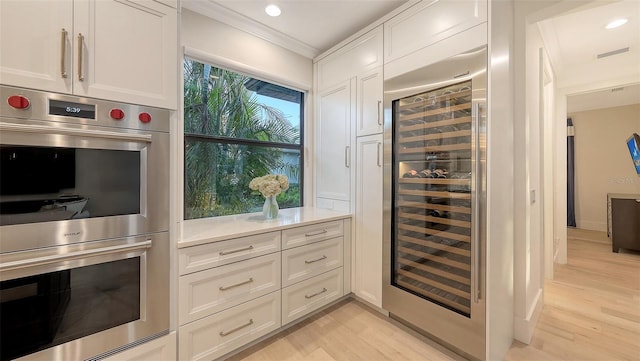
[270, 184]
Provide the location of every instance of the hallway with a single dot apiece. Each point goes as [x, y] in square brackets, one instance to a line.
[592, 307]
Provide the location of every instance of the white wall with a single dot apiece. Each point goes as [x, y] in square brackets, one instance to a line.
[602, 161]
[244, 52]
[500, 182]
[560, 185]
[527, 285]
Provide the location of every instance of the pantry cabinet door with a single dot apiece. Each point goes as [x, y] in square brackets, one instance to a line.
[36, 44]
[126, 51]
[333, 142]
[368, 220]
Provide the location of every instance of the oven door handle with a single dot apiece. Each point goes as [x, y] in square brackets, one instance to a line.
[45, 260]
[25, 128]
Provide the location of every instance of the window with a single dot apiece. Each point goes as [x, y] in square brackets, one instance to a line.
[237, 128]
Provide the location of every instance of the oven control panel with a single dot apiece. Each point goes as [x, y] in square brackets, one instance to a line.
[29, 104]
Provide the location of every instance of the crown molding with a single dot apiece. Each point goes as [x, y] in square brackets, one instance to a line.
[224, 15]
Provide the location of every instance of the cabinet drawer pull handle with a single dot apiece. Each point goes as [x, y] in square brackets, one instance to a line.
[224, 288]
[224, 253]
[315, 233]
[379, 112]
[315, 260]
[63, 54]
[315, 294]
[80, 48]
[379, 145]
[227, 333]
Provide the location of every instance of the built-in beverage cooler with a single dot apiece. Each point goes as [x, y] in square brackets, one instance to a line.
[433, 243]
[432, 212]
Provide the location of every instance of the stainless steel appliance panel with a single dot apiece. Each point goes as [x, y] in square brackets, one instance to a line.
[80, 301]
[434, 199]
[147, 145]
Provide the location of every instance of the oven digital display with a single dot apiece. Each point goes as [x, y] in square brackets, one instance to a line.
[69, 109]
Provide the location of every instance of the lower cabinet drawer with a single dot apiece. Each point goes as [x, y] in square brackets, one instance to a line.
[207, 292]
[304, 262]
[216, 335]
[309, 295]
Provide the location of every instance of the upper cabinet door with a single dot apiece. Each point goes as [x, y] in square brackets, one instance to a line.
[370, 103]
[36, 44]
[429, 22]
[126, 50]
[361, 55]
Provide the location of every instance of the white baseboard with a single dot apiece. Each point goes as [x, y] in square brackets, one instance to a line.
[591, 225]
[523, 327]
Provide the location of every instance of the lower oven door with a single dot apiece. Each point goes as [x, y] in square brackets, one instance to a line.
[84, 300]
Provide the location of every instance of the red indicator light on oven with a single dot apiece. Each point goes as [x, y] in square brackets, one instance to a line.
[19, 102]
[116, 114]
[144, 117]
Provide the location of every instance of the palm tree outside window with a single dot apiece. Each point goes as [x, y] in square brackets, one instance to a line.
[237, 128]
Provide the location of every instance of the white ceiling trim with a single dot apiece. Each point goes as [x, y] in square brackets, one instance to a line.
[224, 15]
[552, 45]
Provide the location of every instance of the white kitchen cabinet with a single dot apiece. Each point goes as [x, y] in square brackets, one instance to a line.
[35, 50]
[358, 56]
[369, 99]
[368, 220]
[428, 23]
[333, 157]
[117, 50]
[213, 336]
[207, 292]
[304, 262]
[309, 295]
[230, 285]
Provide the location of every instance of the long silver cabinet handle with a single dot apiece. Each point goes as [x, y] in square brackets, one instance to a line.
[379, 145]
[224, 288]
[224, 253]
[315, 233]
[347, 156]
[315, 260]
[63, 53]
[80, 48]
[476, 205]
[227, 333]
[38, 261]
[315, 294]
[379, 112]
[26, 128]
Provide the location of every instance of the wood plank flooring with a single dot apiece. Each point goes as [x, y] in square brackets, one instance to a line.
[591, 312]
[346, 331]
[592, 306]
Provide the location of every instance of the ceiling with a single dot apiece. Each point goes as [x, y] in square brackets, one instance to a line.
[573, 42]
[308, 27]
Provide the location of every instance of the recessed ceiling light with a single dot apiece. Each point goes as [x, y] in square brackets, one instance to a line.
[616, 23]
[272, 10]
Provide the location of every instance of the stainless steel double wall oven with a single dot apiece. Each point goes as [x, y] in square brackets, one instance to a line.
[84, 244]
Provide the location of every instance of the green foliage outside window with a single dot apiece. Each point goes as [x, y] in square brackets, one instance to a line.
[234, 134]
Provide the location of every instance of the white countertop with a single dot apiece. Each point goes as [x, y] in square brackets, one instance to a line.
[206, 230]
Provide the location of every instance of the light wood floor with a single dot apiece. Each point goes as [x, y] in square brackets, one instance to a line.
[346, 331]
[591, 312]
[592, 306]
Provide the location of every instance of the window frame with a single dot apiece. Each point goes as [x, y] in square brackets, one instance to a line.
[186, 137]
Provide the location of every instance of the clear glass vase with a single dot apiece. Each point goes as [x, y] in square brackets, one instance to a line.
[270, 208]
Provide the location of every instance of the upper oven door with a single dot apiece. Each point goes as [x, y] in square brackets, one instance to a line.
[64, 183]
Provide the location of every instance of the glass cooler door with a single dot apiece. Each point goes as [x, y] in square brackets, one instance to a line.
[432, 196]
